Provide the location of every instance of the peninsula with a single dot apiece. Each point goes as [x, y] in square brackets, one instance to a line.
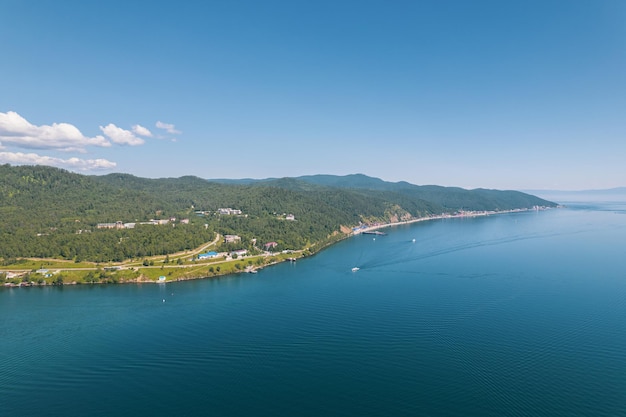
[60, 227]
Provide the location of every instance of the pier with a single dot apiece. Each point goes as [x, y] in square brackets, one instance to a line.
[374, 232]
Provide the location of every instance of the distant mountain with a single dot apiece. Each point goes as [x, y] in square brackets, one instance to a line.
[352, 181]
[336, 181]
[239, 181]
[448, 198]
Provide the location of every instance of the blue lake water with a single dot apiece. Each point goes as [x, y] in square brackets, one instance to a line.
[509, 315]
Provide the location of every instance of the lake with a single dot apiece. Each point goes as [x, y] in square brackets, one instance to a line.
[519, 314]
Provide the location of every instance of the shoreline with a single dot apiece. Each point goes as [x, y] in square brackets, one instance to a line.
[465, 214]
[357, 230]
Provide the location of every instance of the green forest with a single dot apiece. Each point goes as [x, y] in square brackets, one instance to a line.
[47, 212]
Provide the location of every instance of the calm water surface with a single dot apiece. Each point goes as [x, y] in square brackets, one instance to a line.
[509, 315]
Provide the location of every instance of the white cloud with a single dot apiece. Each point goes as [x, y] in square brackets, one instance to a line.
[17, 131]
[19, 158]
[170, 128]
[121, 136]
[142, 131]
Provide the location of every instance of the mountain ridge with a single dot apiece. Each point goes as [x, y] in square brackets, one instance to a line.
[447, 197]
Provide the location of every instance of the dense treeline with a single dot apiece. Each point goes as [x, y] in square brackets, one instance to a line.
[107, 245]
[49, 212]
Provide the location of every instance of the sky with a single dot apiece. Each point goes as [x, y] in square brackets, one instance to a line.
[492, 94]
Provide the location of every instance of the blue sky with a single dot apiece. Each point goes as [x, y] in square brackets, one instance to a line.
[494, 94]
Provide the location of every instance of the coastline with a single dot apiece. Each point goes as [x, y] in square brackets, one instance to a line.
[465, 214]
[291, 256]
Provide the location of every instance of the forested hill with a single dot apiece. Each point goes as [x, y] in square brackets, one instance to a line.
[448, 198]
[49, 212]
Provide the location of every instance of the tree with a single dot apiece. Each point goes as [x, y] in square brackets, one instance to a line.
[90, 277]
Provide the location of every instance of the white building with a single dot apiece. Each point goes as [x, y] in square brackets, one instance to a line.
[231, 238]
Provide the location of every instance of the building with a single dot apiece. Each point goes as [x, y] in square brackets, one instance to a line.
[228, 211]
[116, 225]
[239, 252]
[231, 238]
[207, 255]
[270, 245]
[184, 221]
[290, 217]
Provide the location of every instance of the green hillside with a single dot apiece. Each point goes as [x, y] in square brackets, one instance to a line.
[49, 212]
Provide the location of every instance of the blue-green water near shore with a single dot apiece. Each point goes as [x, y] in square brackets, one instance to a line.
[509, 315]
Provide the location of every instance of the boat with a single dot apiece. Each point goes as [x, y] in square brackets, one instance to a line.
[356, 268]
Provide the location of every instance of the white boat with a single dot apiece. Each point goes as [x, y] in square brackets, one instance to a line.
[356, 268]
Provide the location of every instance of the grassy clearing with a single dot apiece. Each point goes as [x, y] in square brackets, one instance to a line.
[63, 273]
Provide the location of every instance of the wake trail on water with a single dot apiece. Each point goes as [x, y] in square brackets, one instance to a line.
[398, 253]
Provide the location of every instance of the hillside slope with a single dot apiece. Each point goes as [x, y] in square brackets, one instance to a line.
[49, 212]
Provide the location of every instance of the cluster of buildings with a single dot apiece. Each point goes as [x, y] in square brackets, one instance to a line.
[116, 225]
[208, 255]
[239, 252]
[233, 239]
[122, 225]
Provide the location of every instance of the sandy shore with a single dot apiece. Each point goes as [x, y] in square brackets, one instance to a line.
[371, 228]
